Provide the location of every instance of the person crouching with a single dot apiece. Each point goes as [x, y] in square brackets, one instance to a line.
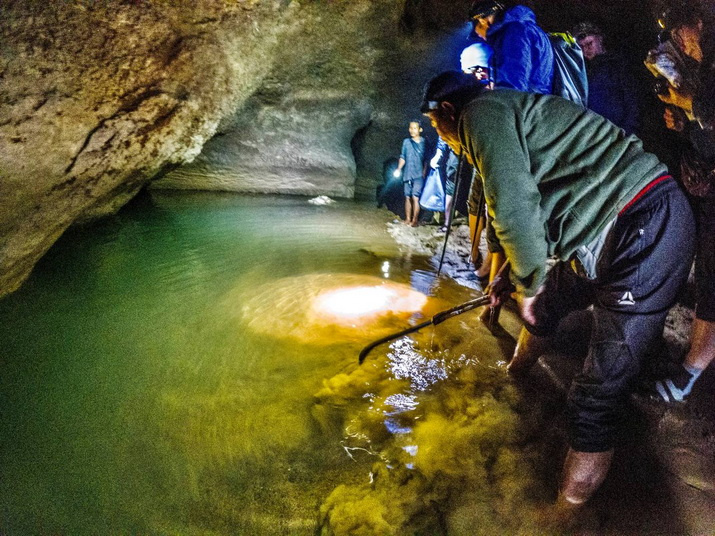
[561, 181]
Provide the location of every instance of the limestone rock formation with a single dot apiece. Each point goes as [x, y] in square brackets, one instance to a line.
[343, 85]
[98, 97]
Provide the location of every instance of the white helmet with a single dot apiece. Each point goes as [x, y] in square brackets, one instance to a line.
[476, 54]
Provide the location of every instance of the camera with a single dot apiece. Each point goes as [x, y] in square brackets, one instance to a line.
[670, 69]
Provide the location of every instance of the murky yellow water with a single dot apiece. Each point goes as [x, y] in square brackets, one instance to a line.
[187, 368]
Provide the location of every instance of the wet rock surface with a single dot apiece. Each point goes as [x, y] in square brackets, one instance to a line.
[662, 480]
[97, 99]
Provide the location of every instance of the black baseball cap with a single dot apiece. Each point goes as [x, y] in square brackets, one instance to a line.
[451, 86]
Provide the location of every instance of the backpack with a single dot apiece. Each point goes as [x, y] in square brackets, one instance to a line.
[570, 80]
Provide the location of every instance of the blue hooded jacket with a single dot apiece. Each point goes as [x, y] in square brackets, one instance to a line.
[523, 58]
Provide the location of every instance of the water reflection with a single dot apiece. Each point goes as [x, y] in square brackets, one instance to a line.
[406, 362]
[326, 309]
[165, 373]
[435, 422]
[423, 281]
[135, 398]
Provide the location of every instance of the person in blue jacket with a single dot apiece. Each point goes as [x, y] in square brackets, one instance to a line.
[523, 58]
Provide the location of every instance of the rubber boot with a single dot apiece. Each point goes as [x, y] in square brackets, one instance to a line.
[528, 350]
[583, 474]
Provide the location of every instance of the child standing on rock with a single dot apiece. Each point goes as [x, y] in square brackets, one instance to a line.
[412, 160]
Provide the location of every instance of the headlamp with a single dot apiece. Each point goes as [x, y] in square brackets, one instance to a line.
[429, 106]
[482, 9]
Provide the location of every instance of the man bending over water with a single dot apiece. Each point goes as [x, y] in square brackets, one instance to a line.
[561, 181]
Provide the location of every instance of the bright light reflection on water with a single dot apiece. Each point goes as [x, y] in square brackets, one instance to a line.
[352, 304]
[186, 367]
[406, 362]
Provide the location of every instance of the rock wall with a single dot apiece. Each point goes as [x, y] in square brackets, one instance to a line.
[97, 97]
[100, 97]
[343, 86]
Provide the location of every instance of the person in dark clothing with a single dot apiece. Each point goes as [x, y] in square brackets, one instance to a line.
[692, 29]
[612, 90]
[561, 181]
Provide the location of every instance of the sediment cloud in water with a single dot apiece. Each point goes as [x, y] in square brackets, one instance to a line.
[452, 448]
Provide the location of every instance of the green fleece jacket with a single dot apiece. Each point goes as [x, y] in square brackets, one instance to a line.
[555, 175]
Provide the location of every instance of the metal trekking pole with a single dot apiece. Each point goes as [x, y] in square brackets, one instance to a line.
[436, 319]
[452, 209]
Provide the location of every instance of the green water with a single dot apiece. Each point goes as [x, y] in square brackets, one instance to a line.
[132, 398]
[162, 373]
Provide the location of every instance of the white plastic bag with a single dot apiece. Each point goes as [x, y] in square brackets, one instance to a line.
[432, 197]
